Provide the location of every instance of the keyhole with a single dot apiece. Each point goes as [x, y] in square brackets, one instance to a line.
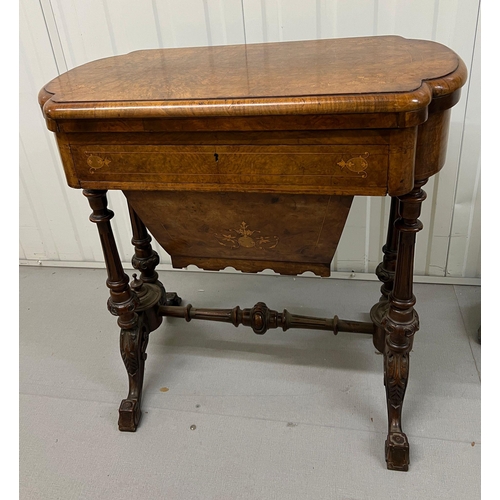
[216, 156]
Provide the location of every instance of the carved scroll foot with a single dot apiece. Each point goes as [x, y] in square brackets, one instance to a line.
[399, 340]
[397, 448]
[397, 451]
[133, 343]
[130, 414]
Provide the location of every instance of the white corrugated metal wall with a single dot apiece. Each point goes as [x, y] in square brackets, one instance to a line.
[57, 35]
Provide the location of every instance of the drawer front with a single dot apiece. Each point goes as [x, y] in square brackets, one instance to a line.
[329, 169]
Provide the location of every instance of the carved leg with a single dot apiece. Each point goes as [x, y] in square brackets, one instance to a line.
[385, 273]
[401, 323]
[146, 259]
[133, 343]
[123, 303]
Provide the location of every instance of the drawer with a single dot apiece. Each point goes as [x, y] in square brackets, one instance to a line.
[328, 169]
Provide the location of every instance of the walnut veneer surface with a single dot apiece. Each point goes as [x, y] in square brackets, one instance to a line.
[263, 77]
[249, 156]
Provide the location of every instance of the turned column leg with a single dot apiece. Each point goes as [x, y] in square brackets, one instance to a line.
[386, 269]
[145, 259]
[385, 273]
[400, 324]
[123, 303]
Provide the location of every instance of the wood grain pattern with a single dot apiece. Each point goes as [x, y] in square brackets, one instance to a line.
[432, 144]
[290, 234]
[353, 85]
[50, 212]
[272, 123]
[248, 162]
[354, 75]
[239, 168]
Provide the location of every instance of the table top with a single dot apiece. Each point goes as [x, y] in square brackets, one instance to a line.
[350, 75]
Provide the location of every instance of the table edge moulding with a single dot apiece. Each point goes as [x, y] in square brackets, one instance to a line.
[249, 156]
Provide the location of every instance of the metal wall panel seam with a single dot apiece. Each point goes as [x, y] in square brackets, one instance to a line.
[107, 16]
[157, 23]
[53, 34]
[462, 138]
[471, 218]
[244, 23]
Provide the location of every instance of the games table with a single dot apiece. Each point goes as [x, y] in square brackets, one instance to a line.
[249, 156]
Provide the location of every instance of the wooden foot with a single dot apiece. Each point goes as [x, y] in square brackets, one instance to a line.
[397, 451]
[396, 370]
[133, 343]
[130, 414]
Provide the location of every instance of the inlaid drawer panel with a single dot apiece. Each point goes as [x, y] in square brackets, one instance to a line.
[289, 233]
[348, 168]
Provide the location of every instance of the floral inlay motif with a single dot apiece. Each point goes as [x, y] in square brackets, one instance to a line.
[246, 238]
[95, 162]
[357, 165]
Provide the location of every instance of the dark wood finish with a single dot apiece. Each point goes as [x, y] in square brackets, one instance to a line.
[249, 156]
[145, 259]
[385, 272]
[122, 303]
[261, 319]
[401, 323]
[136, 306]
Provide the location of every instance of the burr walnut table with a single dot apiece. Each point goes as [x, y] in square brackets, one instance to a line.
[249, 156]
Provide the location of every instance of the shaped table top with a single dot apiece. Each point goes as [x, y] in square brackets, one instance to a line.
[349, 75]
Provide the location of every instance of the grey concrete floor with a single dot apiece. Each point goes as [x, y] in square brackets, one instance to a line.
[294, 415]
